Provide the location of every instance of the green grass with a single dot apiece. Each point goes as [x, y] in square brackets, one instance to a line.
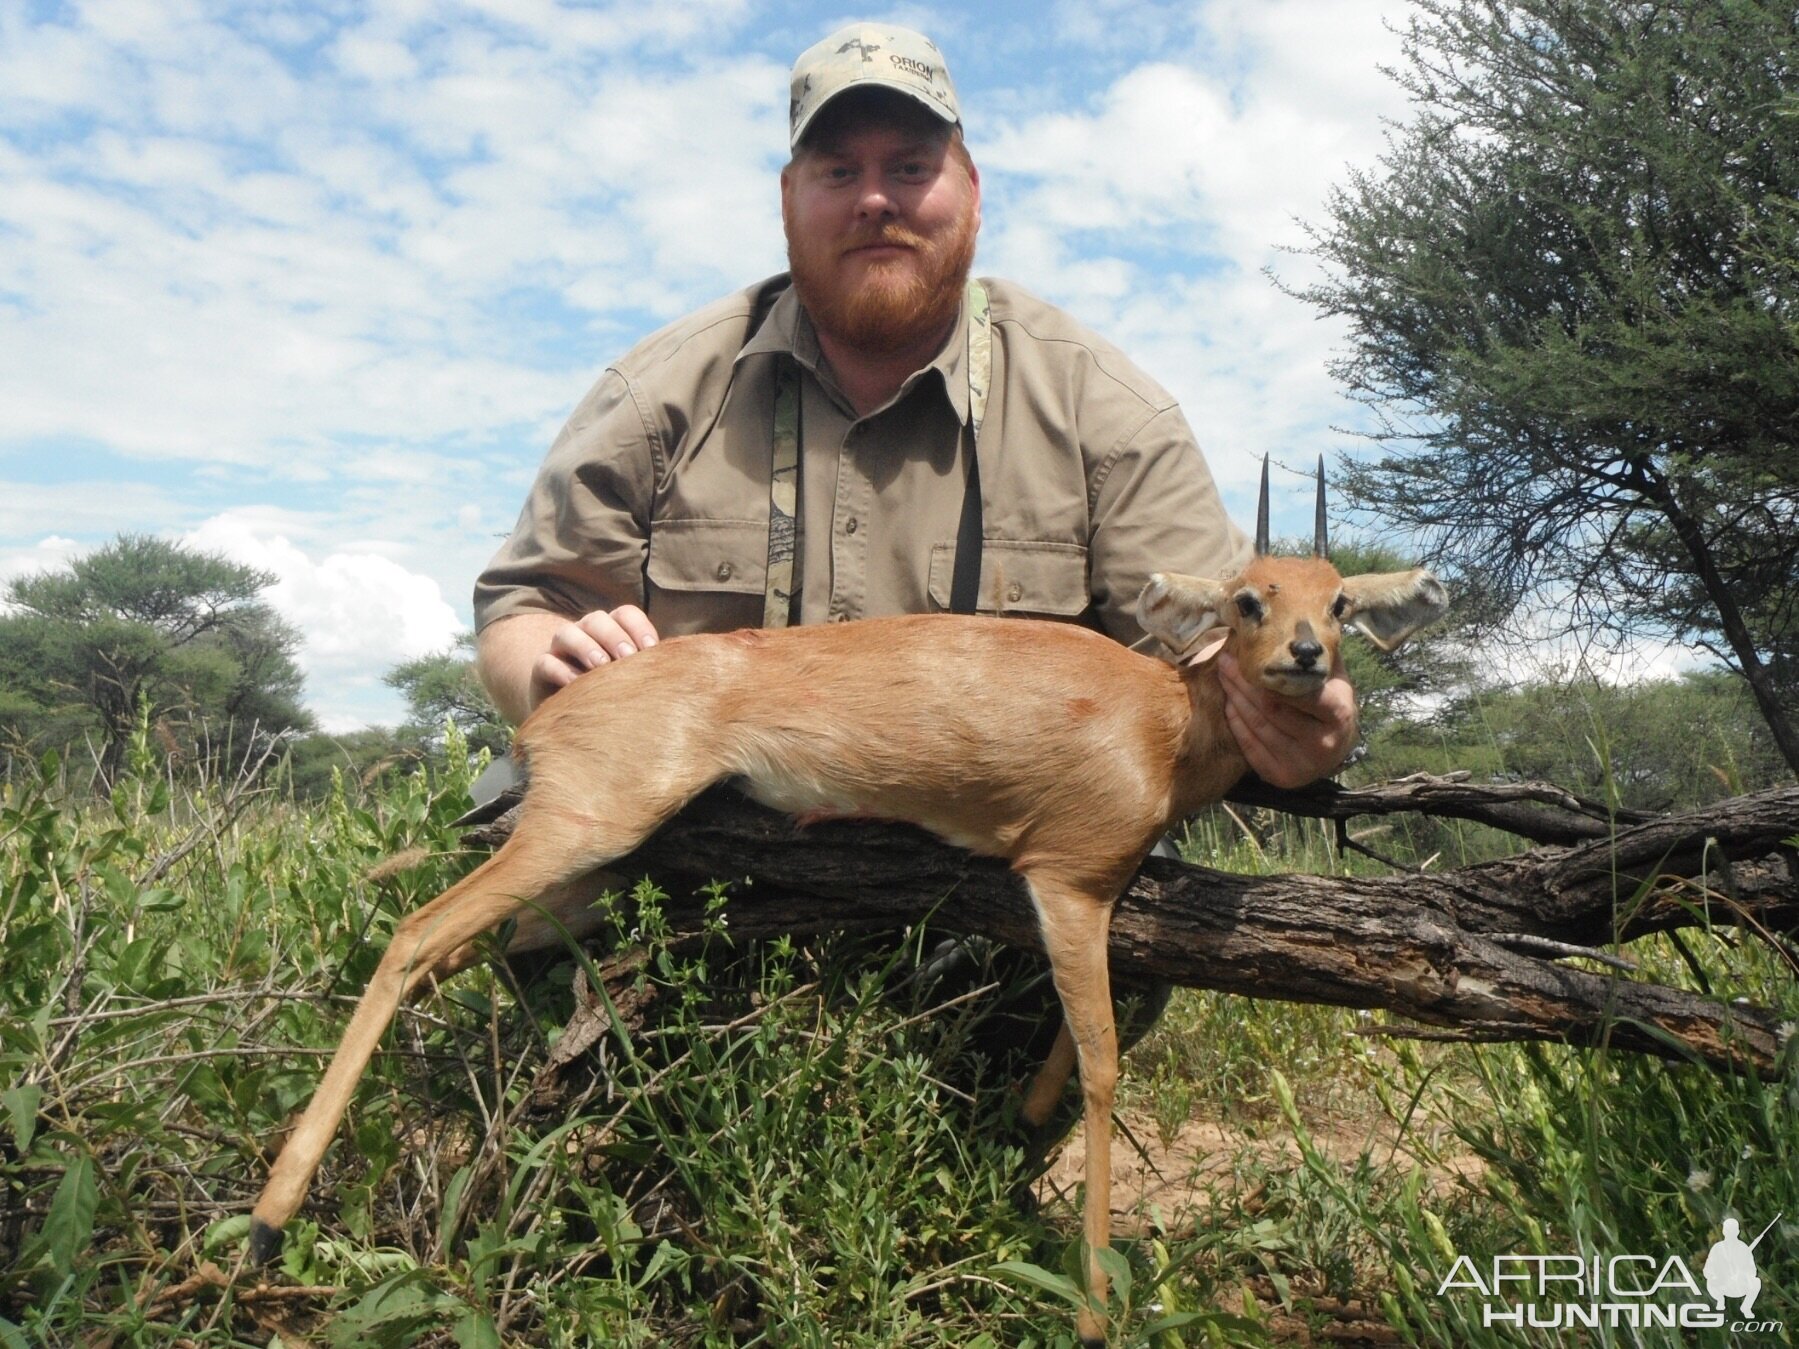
[782, 1143]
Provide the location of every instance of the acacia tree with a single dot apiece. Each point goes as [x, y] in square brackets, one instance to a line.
[143, 623]
[444, 687]
[1573, 293]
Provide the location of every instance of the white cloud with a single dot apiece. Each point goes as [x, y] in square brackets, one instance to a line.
[1153, 211]
[232, 267]
[360, 613]
[1539, 648]
[53, 552]
[83, 508]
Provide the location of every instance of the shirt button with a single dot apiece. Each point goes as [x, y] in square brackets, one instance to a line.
[851, 526]
[724, 571]
[1014, 593]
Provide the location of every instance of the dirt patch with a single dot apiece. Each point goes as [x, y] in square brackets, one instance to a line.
[1172, 1186]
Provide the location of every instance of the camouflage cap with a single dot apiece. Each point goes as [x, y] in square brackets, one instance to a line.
[870, 54]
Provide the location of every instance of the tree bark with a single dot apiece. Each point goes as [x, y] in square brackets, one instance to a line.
[1539, 811]
[1476, 952]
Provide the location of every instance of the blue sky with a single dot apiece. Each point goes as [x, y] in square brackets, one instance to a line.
[315, 284]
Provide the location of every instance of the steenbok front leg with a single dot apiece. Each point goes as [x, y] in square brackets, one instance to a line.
[1075, 926]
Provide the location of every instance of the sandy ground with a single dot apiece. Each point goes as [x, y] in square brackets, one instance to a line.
[1172, 1188]
[1178, 1179]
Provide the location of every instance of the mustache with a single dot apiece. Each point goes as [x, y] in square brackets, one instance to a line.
[888, 235]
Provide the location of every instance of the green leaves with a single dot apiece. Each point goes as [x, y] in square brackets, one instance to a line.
[1571, 285]
[21, 1104]
[442, 690]
[70, 1221]
[139, 634]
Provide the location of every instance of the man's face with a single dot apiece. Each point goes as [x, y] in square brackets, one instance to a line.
[881, 220]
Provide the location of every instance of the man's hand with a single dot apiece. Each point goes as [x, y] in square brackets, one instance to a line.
[525, 658]
[588, 642]
[1289, 744]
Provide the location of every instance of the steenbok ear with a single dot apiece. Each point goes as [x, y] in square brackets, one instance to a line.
[1388, 607]
[1177, 610]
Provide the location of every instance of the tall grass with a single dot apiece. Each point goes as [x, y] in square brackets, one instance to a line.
[783, 1143]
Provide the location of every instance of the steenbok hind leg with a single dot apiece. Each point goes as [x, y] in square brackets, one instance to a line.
[562, 916]
[531, 862]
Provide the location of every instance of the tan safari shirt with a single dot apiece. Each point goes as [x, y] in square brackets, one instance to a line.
[656, 492]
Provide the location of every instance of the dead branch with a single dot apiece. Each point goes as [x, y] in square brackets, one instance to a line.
[1539, 811]
[1477, 951]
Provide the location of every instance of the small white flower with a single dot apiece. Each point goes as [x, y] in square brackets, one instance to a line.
[1698, 1181]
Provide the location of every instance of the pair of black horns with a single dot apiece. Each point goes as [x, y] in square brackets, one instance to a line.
[1320, 535]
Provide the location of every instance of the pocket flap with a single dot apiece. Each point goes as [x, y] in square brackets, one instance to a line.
[1020, 577]
[719, 555]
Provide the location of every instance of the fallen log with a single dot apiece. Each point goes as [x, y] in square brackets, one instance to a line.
[1478, 952]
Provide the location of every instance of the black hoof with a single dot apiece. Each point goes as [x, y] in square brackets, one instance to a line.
[265, 1242]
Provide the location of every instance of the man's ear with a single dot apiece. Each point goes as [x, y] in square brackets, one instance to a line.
[1177, 610]
[1388, 607]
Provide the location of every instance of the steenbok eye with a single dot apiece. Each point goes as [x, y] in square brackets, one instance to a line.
[1340, 608]
[1250, 607]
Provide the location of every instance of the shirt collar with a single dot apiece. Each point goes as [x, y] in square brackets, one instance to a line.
[788, 331]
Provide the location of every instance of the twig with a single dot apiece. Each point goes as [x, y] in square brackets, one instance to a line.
[1559, 950]
[209, 1275]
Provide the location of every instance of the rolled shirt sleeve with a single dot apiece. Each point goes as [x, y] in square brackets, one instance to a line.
[1156, 508]
[582, 537]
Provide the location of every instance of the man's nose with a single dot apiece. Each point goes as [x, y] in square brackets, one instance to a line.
[874, 203]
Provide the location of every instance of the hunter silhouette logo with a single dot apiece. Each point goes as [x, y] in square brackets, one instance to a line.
[1566, 1292]
[1730, 1268]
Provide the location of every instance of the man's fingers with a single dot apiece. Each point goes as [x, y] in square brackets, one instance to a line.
[1277, 758]
[573, 643]
[553, 672]
[616, 634]
[636, 625]
[1288, 744]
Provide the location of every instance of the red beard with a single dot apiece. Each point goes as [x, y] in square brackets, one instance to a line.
[898, 303]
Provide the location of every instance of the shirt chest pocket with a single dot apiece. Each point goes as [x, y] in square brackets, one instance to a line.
[706, 575]
[1020, 577]
[717, 555]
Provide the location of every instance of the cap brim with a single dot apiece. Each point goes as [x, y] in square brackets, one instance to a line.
[806, 119]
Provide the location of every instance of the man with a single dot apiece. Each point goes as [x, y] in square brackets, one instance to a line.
[875, 435]
[870, 436]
